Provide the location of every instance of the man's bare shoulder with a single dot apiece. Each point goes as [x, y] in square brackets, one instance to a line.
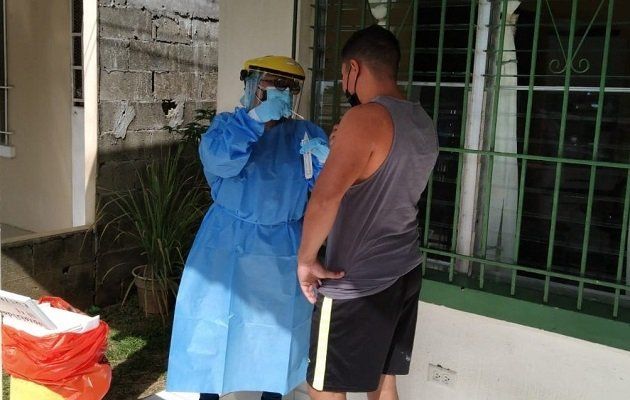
[370, 118]
[366, 114]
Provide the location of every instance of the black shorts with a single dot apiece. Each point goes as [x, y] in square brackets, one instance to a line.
[354, 342]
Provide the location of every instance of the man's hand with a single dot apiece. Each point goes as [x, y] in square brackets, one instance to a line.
[310, 276]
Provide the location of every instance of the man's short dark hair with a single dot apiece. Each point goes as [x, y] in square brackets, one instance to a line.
[375, 46]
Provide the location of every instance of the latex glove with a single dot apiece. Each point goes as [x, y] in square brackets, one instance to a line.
[277, 105]
[317, 147]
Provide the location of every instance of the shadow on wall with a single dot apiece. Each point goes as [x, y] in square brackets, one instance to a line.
[72, 264]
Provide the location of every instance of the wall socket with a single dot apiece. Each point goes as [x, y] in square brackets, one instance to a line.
[442, 376]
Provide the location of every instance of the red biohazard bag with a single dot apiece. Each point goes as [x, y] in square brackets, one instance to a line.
[70, 364]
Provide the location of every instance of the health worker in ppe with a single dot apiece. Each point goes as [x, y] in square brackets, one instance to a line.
[241, 323]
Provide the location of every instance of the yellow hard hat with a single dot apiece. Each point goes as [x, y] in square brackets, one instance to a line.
[278, 65]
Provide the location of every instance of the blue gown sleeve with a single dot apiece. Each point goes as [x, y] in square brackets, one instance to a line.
[226, 146]
[315, 131]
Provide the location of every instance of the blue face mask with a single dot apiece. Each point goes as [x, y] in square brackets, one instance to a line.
[281, 94]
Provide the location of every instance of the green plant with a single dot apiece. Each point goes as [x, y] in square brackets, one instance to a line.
[162, 215]
[161, 218]
[192, 131]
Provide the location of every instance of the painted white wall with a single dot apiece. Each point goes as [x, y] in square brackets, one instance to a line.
[85, 204]
[85, 125]
[249, 29]
[36, 185]
[78, 165]
[497, 360]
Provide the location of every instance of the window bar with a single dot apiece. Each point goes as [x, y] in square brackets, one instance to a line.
[528, 125]
[399, 30]
[412, 53]
[363, 13]
[462, 136]
[598, 129]
[535, 271]
[316, 64]
[571, 161]
[316, 67]
[389, 14]
[622, 244]
[436, 107]
[493, 131]
[563, 127]
[294, 29]
[608, 89]
[336, 102]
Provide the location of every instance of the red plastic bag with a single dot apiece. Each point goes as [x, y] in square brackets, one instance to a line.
[70, 364]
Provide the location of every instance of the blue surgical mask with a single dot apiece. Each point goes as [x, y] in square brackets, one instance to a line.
[282, 94]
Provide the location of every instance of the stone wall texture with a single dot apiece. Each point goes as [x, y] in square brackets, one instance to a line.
[158, 64]
[61, 265]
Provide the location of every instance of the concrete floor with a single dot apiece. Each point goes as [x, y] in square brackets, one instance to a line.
[298, 394]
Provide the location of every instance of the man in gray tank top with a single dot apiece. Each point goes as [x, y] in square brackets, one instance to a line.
[365, 203]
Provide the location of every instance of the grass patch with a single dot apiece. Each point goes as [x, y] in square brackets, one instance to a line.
[5, 386]
[137, 351]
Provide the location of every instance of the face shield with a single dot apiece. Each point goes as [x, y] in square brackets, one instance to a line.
[257, 83]
[252, 80]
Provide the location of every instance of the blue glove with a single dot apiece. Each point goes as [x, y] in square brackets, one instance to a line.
[317, 147]
[277, 105]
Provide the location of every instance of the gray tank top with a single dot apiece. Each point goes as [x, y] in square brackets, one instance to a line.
[375, 236]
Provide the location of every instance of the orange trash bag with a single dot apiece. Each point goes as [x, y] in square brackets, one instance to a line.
[70, 364]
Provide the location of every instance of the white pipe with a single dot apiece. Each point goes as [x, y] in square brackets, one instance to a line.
[474, 126]
[77, 125]
[90, 106]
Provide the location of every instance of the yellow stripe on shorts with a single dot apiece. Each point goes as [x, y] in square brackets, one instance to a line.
[322, 344]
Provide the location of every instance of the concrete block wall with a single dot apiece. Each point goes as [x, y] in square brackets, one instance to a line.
[59, 265]
[157, 65]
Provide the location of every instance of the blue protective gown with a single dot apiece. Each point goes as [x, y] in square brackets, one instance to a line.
[241, 322]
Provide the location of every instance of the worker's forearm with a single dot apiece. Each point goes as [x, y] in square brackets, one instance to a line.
[318, 221]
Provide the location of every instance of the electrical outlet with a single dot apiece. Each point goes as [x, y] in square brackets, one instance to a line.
[442, 376]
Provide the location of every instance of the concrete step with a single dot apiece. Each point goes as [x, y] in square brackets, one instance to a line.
[298, 394]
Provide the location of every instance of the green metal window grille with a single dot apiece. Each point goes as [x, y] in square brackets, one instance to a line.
[530, 197]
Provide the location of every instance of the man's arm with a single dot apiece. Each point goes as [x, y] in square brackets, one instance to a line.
[346, 164]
